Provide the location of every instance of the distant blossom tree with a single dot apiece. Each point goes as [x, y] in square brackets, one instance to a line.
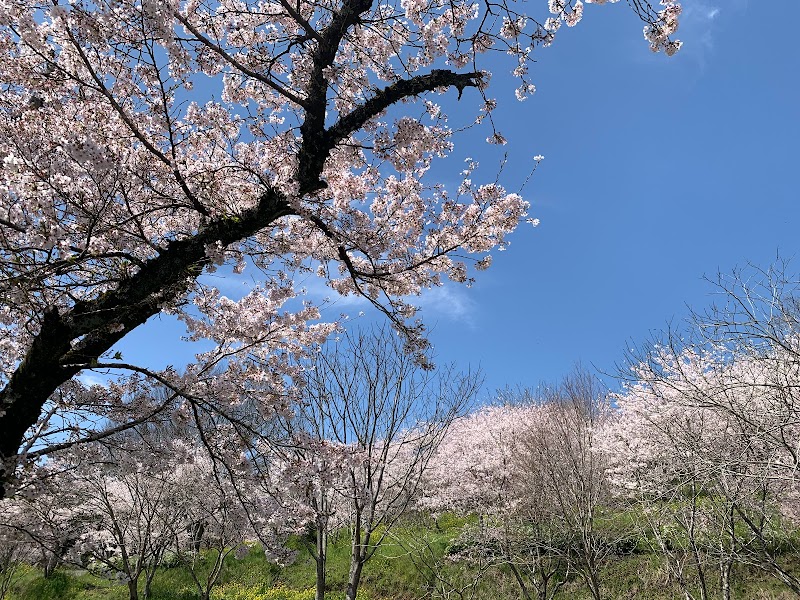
[15, 548]
[476, 471]
[710, 483]
[145, 143]
[473, 468]
[125, 500]
[532, 471]
[214, 523]
[120, 507]
[562, 485]
[707, 436]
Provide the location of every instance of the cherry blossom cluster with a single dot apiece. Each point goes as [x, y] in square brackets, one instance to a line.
[705, 443]
[659, 32]
[311, 485]
[473, 469]
[709, 420]
[145, 145]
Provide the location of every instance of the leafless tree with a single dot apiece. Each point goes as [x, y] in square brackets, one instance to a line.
[365, 394]
[563, 489]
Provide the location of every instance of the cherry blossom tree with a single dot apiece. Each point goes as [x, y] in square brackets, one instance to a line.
[145, 144]
[532, 470]
[310, 486]
[120, 506]
[126, 498]
[707, 435]
[472, 469]
[214, 523]
[660, 457]
[478, 470]
[15, 549]
[707, 482]
[45, 518]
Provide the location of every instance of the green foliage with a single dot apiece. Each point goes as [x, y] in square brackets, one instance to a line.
[59, 585]
[637, 572]
[450, 523]
[30, 583]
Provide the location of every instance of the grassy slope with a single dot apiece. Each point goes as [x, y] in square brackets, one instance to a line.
[391, 575]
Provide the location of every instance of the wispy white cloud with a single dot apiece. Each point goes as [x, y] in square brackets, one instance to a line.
[700, 21]
[450, 302]
[698, 25]
[89, 378]
[698, 14]
[228, 283]
[317, 291]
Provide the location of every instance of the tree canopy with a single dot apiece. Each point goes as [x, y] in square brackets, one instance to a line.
[144, 143]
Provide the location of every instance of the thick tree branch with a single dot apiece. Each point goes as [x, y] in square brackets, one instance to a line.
[71, 339]
[11, 225]
[67, 342]
[314, 149]
[405, 88]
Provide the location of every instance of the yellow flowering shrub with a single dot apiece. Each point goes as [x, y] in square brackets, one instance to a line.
[237, 591]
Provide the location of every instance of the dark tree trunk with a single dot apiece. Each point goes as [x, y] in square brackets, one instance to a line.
[51, 357]
[133, 589]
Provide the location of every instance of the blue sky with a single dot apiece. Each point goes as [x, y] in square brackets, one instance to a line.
[657, 171]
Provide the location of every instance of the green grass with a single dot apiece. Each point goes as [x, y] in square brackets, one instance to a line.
[390, 575]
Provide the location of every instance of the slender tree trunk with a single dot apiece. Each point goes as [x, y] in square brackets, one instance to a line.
[321, 560]
[354, 577]
[726, 558]
[593, 583]
[696, 556]
[725, 567]
[357, 559]
[590, 559]
[677, 572]
[521, 582]
[148, 582]
[356, 556]
[51, 562]
[701, 576]
[133, 589]
[196, 532]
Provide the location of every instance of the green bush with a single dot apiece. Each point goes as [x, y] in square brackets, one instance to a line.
[56, 587]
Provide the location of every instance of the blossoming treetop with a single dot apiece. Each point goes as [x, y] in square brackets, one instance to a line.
[118, 187]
